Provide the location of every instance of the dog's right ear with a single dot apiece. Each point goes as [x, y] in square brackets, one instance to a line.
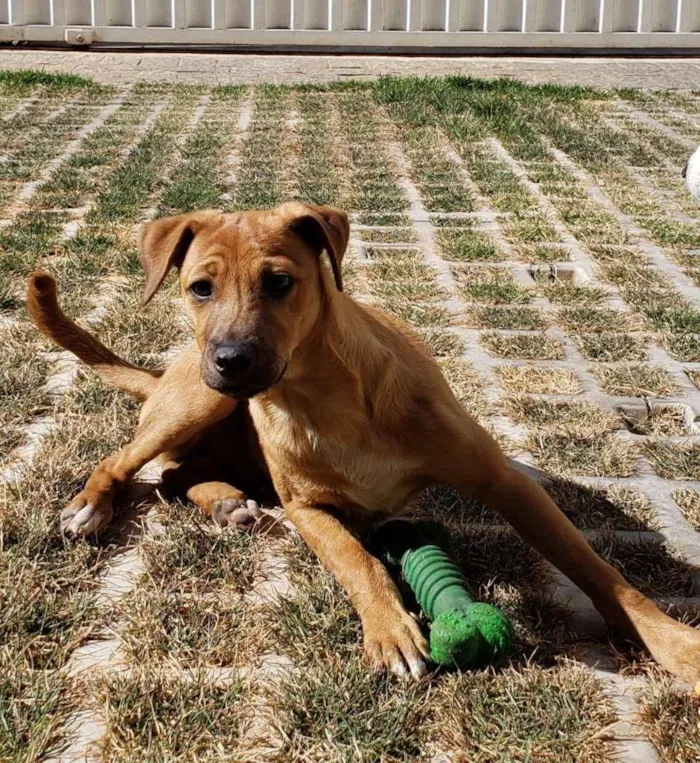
[163, 244]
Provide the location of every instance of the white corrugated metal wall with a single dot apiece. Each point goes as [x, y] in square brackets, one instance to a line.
[357, 23]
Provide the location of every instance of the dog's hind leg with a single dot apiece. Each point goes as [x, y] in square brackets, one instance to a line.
[469, 460]
[204, 483]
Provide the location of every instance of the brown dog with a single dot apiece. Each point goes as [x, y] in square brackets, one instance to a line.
[346, 412]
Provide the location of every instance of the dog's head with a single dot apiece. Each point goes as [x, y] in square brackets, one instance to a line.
[253, 283]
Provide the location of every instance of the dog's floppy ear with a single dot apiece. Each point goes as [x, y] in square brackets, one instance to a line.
[322, 228]
[164, 243]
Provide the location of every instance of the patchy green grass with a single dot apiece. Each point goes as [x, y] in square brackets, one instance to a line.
[34, 705]
[508, 318]
[467, 245]
[191, 621]
[338, 710]
[608, 347]
[150, 717]
[495, 286]
[485, 716]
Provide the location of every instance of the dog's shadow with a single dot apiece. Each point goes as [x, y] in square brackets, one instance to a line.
[499, 567]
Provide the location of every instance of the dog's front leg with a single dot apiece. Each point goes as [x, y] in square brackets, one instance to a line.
[173, 416]
[392, 637]
[475, 466]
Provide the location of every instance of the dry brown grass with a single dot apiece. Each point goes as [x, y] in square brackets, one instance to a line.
[689, 503]
[636, 381]
[152, 717]
[530, 379]
[575, 417]
[613, 508]
[593, 455]
[674, 461]
[523, 346]
[648, 565]
[660, 421]
[670, 717]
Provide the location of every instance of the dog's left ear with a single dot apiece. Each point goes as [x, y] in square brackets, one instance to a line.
[164, 243]
[322, 228]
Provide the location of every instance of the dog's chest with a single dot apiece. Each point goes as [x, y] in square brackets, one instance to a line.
[369, 476]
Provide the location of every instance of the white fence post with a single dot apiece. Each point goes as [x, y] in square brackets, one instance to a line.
[689, 16]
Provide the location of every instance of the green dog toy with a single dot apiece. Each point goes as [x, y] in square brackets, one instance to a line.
[463, 633]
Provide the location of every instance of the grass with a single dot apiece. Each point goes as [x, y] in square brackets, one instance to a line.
[670, 717]
[27, 80]
[648, 565]
[495, 286]
[606, 347]
[191, 612]
[534, 714]
[592, 319]
[543, 254]
[689, 503]
[664, 421]
[613, 508]
[674, 461]
[508, 318]
[466, 383]
[338, 711]
[33, 708]
[636, 381]
[467, 245]
[523, 346]
[196, 557]
[575, 416]
[544, 381]
[594, 455]
[176, 627]
[22, 377]
[150, 717]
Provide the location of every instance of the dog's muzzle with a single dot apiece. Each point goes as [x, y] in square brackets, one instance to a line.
[241, 369]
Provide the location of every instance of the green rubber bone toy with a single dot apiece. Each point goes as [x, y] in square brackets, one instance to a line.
[463, 633]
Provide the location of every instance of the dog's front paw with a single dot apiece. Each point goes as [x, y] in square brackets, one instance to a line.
[394, 640]
[84, 516]
[234, 512]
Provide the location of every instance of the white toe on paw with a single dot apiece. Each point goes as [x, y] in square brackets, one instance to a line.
[79, 522]
[417, 667]
[397, 667]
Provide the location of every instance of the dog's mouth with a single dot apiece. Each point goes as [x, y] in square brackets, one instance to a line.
[241, 390]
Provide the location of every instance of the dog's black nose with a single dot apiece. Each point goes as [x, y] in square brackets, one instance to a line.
[233, 359]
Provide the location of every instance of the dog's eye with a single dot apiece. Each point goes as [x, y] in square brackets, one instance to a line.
[277, 284]
[201, 289]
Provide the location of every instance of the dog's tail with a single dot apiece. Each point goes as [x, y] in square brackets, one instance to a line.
[52, 321]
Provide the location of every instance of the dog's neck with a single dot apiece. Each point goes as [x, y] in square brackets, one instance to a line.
[331, 363]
